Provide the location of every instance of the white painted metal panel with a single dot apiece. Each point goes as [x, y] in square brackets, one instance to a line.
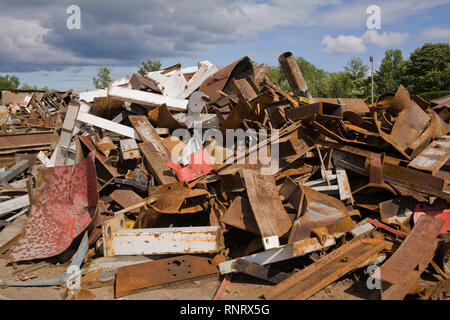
[147, 98]
[108, 125]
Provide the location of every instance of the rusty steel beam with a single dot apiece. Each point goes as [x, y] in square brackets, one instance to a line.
[316, 111]
[134, 278]
[327, 269]
[416, 180]
[148, 134]
[403, 268]
[269, 212]
[239, 215]
[156, 163]
[294, 75]
[25, 141]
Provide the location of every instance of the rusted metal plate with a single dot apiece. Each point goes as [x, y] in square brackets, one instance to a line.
[433, 157]
[142, 83]
[148, 134]
[169, 197]
[413, 256]
[292, 192]
[64, 205]
[220, 80]
[400, 101]
[16, 142]
[126, 198]
[106, 146]
[305, 283]
[266, 205]
[435, 130]
[240, 215]
[157, 163]
[260, 73]
[320, 211]
[399, 209]
[245, 87]
[142, 276]
[409, 125]
[162, 118]
[416, 180]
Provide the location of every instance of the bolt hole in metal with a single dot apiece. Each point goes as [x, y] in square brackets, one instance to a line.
[176, 262]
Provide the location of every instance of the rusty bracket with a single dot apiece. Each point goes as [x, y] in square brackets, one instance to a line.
[131, 279]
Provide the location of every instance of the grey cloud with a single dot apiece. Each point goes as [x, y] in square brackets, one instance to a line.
[33, 34]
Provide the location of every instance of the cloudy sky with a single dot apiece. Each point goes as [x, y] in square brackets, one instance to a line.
[37, 46]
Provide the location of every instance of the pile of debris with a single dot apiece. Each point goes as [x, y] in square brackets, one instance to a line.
[150, 168]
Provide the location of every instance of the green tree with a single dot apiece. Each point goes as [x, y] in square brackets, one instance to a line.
[389, 76]
[9, 82]
[103, 78]
[317, 79]
[427, 69]
[35, 88]
[341, 85]
[148, 66]
[357, 71]
[277, 76]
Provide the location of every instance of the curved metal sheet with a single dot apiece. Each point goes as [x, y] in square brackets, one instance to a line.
[64, 205]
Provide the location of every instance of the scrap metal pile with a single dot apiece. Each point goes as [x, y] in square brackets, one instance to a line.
[143, 184]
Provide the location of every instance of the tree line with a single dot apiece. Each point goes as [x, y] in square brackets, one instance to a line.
[426, 72]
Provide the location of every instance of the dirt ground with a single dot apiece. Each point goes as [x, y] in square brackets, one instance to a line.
[241, 287]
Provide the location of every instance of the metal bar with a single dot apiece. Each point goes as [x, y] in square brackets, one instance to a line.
[266, 205]
[401, 271]
[13, 204]
[145, 275]
[119, 241]
[223, 285]
[329, 268]
[147, 98]
[387, 228]
[294, 75]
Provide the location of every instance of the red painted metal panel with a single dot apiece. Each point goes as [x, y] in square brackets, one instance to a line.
[64, 205]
